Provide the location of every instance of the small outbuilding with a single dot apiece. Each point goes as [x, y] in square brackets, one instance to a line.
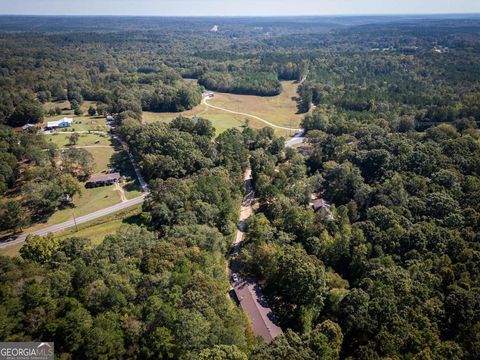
[102, 180]
[28, 126]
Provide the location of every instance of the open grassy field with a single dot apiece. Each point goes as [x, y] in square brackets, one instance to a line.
[280, 110]
[65, 106]
[96, 230]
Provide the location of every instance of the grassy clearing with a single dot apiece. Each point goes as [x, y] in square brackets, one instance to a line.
[80, 123]
[95, 230]
[102, 157]
[65, 106]
[280, 110]
[11, 251]
[88, 201]
[62, 140]
[96, 233]
[220, 119]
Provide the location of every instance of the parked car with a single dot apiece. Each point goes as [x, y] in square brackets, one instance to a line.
[234, 278]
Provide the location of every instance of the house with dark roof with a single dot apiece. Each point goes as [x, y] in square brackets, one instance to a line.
[322, 207]
[102, 180]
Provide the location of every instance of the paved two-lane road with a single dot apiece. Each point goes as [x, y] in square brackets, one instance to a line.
[79, 220]
[245, 212]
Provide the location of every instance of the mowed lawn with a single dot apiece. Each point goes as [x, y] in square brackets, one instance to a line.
[280, 110]
[96, 230]
[89, 200]
[63, 140]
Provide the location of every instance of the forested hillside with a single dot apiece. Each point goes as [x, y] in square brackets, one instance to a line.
[365, 238]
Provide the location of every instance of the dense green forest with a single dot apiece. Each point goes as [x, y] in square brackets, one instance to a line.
[388, 267]
[397, 267]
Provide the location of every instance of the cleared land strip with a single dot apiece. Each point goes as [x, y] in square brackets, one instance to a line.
[79, 220]
[249, 115]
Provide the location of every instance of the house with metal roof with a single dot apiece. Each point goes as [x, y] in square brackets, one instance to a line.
[62, 123]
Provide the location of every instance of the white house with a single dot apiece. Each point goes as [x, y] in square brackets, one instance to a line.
[62, 123]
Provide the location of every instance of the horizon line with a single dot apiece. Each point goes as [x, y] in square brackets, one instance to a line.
[252, 16]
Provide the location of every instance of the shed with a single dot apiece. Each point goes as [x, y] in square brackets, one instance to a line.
[28, 126]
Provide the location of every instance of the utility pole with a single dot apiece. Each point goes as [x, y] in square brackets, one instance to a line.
[75, 220]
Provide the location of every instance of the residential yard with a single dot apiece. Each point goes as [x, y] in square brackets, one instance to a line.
[63, 140]
[80, 123]
[88, 201]
[280, 110]
[106, 156]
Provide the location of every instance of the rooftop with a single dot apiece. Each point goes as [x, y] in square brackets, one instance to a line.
[320, 203]
[58, 122]
[104, 177]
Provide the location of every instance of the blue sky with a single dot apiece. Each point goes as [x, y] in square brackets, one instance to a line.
[235, 7]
